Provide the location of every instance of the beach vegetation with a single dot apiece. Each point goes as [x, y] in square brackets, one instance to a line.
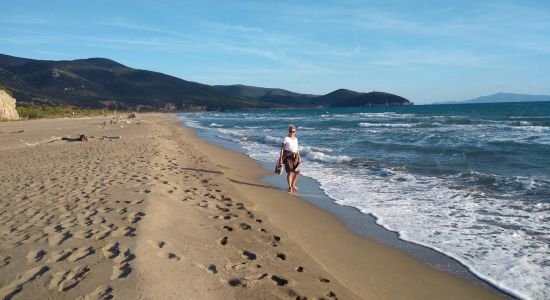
[3, 88]
[41, 112]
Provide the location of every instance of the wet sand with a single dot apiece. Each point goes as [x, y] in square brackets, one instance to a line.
[160, 213]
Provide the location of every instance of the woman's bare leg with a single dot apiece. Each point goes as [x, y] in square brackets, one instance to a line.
[296, 175]
[289, 179]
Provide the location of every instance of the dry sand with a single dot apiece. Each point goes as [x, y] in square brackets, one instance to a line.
[160, 214]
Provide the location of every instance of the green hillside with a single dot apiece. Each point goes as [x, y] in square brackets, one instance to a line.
[106, 84]
[99, 83]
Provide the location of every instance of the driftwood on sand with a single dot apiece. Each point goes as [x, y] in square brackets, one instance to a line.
[80, 138]
[110, 137]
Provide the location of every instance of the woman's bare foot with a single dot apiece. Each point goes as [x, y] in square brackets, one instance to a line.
[295, 189]
[290, 190]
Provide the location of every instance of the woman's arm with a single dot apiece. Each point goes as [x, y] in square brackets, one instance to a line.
[281, 153]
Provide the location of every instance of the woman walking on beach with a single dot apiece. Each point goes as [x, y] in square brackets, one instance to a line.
[290, 157]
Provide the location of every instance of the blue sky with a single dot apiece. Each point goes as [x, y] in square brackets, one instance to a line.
[423, 50]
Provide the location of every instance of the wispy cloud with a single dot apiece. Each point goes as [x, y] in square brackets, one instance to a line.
[284, 48]
[53, 54]
[25, 20]
[127, 24]
[400, 58]
[142, 28]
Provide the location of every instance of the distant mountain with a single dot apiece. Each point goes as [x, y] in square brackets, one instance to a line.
[338, 98]
[103, 83]
[343, 97]
[501, 97]
[271, 95]
[99, 82]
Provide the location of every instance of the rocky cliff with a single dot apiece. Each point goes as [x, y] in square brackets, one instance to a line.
[7, 107]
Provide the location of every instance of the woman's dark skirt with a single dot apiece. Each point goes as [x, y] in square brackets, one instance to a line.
[291, 161]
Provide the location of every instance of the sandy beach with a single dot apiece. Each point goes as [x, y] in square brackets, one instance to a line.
[146, 210]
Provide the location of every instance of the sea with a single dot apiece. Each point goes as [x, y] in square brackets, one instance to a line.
[471, 181]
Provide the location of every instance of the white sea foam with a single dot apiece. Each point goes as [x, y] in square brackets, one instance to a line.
[387, 115]
[215, 125]
[232, 132]
[316, 154]
[397, 125]
[192, 123]
[423, 210]
[273, 139]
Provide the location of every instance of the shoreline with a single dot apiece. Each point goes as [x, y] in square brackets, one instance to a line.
[366, 225]
[360, 223]
[255, 182]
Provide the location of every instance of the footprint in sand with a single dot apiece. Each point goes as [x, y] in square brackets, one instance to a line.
[159, 244]
[135, 217]
[281, 256]
[80, 253]
[250, 214]
[222, 209]
[126, 231]
[53, 228]
[211, 268]
[249, 255]
[223, 241]
[235, 282]
[292, 293]
[35, 255]
[66, 280]
[137, 202]
[99, 235]
[14, 287]
[228, 228]
[58, 238]
[275, 240]
[126, 256]
[255, 277]
[102, 292]
[98, 220]
[280, 281]
[111, 250]
[60, 255]
[245, 226]
[121, 271]
[169, 255]
[4, 260]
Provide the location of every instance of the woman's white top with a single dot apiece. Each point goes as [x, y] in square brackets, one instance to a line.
[290, 144]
